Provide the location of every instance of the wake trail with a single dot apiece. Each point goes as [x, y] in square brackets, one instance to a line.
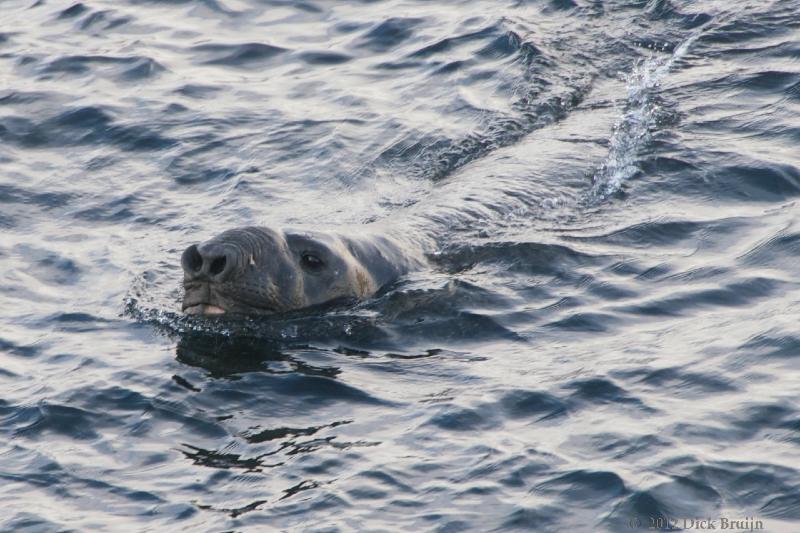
[642, 115]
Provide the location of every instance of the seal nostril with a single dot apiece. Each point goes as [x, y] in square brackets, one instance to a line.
[192, 260]
[218, 265]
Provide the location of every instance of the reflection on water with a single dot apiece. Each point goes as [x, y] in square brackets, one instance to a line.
[229, 356]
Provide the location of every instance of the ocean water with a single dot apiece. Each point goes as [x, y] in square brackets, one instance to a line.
[606, 337]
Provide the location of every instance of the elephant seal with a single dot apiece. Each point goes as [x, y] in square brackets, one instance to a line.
[258, 270]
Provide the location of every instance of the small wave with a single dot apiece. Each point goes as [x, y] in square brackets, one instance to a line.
[389, 34]
[237, 55]
[451, 42]
[92, 125]
[324, 58]
[73, 11]
[126, 69]
[442, 158]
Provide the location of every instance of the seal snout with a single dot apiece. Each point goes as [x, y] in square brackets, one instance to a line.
[206, 267]
[210, 261]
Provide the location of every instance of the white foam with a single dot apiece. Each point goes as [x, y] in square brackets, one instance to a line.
[633, 130]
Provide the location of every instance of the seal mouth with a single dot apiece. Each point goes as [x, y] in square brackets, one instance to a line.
[204, 309]
[211, 299]
[206, 301]
[198, 300]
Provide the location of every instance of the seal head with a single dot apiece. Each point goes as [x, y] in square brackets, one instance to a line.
[257, 270]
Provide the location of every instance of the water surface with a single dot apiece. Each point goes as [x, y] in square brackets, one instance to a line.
[607, 331]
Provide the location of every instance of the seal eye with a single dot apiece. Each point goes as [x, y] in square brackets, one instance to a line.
[311, 261]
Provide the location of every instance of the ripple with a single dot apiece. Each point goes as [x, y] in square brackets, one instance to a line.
[448, 43]
[593, 391]
[85, 125]
[505, 45]
[734, 294]
[739, 31]
[530, 519]
[123, 68]
[679, 497]
[454, 418]
[780, 250]
[585, 488]
[389, 34]
[50, 267]
[752, 421]
[61, 419]
[324, 58]
[770, 81]
[73, 11]
[785, 507]
[762, 181]
[585, 322]
[525, 404]
[112, 211]
[237, 55]
[8, 346]
[25, 521]
[199, 91]
[12, 194]
[104, 21]
[621, 447]
[773, 344]
[648, 234]
[681, 381]
[316, 389]
[528, 257]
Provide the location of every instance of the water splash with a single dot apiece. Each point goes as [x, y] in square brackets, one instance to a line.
[149, 302]
[634, 130]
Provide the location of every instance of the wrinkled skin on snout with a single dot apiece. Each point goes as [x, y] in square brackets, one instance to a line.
[256, 270]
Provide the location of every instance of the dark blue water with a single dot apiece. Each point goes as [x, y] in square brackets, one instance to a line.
[606, 338]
